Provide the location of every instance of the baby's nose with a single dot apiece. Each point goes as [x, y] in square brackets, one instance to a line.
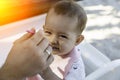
[54, 40]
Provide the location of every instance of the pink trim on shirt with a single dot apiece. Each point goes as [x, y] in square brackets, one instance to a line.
[74, 55]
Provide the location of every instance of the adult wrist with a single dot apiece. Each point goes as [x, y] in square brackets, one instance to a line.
[6, 74]
[46, 72]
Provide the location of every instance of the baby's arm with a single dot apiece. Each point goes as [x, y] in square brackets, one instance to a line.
[77, 72]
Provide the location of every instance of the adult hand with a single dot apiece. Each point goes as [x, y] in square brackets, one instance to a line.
[27, 57]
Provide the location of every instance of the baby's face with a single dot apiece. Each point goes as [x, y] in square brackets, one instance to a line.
[60, 31]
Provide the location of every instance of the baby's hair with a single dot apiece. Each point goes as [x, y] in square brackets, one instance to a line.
[71, 9]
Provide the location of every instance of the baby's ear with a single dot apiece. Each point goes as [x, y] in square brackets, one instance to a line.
[79, 39]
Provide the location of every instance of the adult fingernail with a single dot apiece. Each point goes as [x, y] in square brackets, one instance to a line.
[32, 31]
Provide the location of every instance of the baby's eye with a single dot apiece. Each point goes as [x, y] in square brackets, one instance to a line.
[48, 33]
[63, 36]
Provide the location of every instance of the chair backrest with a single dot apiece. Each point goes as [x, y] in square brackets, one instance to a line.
[93, 59]
[110, 71]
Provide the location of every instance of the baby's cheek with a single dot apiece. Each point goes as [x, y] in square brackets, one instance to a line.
[65, 49]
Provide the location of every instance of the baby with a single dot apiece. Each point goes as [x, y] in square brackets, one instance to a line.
[63, 28]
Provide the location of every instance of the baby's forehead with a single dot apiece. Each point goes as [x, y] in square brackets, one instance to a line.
[61, 28]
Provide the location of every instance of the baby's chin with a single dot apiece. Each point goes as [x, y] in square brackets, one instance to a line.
[58, 53]
[55, 52]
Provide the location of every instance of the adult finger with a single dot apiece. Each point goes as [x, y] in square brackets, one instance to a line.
[26, 36]
[37, 37]
[50, 56]
[43, 44]
[50, 59]
[47, 52]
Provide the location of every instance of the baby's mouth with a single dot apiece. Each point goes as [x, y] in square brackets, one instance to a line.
[55, 48]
